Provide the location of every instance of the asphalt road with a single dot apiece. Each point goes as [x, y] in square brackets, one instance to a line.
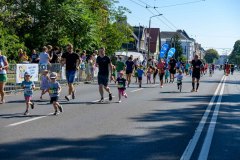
[153, 123]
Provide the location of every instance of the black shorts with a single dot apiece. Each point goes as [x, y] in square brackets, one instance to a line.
[172, 71]
[196, 75]
[129, 71]
[103, 80]
[161, 76]
[139, 78]
[54, 99]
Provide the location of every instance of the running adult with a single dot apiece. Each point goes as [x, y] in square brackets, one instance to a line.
[196, 73]
[104, 64]
[71, 60]
[3, 75]
[129, 69]
[161, 71]
[172, 68]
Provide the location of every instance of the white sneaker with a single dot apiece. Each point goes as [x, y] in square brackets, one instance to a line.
[119, 101]
[161, 86]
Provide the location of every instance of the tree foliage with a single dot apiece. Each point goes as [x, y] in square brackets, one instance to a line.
[211, 55]
[177, 45]
[87, 24]
[235, 55]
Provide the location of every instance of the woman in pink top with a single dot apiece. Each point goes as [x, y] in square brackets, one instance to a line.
[161, 71]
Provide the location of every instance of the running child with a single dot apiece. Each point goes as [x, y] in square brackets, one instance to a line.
[44, 82]
[28, 87]
[167, 74]
[54, 90]
[179, 77]
[149, 73]
[210, 71]
[121, 86]
[140, 73]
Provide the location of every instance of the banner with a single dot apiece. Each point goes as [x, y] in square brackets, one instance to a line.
[30, 68]
[163, 51]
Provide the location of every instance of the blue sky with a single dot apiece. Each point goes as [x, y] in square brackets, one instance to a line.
[213, 23]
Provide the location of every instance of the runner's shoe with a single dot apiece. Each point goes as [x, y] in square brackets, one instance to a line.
[110, 96]
[125, 95]
[119, 101]
[26, 113]
[60, 108]
[73, 95]
[66, 97]
[55, 113]
[32, 105]
[193, 90]
[101, 100]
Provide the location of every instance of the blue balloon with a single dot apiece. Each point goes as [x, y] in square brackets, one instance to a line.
[164, 49]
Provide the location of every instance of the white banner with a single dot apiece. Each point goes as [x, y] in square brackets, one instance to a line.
[30, 68]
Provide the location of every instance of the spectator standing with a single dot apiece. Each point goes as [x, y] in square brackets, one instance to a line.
[44, 59]
[71, 60]
[3, 75]
[104, 64]
[34, 57]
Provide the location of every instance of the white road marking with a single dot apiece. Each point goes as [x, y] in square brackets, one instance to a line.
[208, 139]
[136, 90]
[26, 121]
[193, 142]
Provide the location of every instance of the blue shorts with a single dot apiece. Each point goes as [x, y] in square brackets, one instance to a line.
[103, 80]
[70, 76]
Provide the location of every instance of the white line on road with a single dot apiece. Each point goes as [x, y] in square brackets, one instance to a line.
[193, 142]
[208, 139]
[25, 121]
[137, 90]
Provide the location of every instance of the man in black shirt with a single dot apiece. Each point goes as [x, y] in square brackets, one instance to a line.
[104, 64]
[71, 60]
[172, 68]
[196, 70]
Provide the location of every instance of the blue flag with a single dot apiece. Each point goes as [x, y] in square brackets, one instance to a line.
[164, 49]
[171, 52]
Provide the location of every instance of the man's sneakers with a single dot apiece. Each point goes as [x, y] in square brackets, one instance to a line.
[55, 113]
[26, 113]
[193, 90]
[73, 94]
[60, 108]
[110, 96]
[32, 105]
[101, 100]
[67, 98]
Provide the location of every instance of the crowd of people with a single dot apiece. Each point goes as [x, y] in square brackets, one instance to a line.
[120, 70]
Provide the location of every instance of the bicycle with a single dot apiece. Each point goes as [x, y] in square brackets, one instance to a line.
[179, 84]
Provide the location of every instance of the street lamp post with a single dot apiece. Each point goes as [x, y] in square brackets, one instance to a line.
[149, 32]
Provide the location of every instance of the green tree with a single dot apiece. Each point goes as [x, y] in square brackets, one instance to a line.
[234, 57]
[211, 55]
[177, 44]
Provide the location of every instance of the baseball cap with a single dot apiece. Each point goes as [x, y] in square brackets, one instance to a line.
[53, 75]
[27, 74]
